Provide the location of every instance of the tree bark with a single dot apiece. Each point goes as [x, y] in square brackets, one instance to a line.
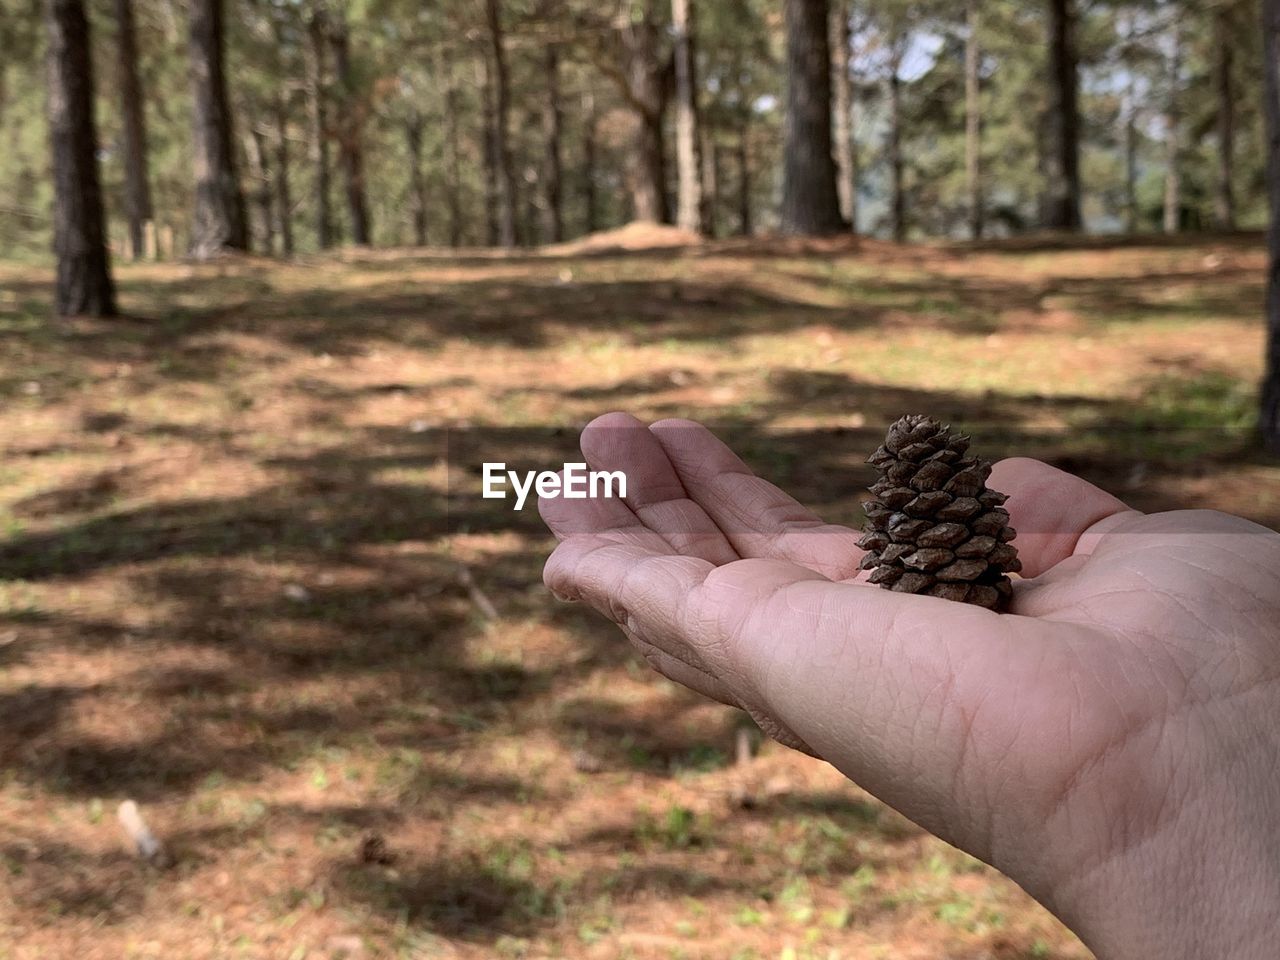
[350, 133]
[318, 116]
[842, 80]
[1269, 421]
[1130, 108]
[501, 125]
[453, 160]
[1225, 200]
[1173, 135]
[552, 167]
[414, 125]
[255, 150]
[219, 221]
[590, 196]
[645, 89]
[810, 204]
[898, 201]
[83, 284]
[689, 200]
[649, 172]
[711, 181]
[531, 207]
[1062, 153]
[973, 120]
[489, 153]
[137, 185]
[745, 227]
[283, 194]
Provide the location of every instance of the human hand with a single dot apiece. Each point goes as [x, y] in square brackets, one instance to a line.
[1112, 743]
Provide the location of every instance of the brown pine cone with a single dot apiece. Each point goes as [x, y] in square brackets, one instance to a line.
[932, 526]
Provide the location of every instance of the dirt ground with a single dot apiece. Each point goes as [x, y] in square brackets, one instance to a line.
[245, 572]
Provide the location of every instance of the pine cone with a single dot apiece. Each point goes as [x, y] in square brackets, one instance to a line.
[933, 527]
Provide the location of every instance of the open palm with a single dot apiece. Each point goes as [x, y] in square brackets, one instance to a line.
[1112, 743]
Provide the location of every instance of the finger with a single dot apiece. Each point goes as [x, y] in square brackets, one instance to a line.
[569, 517]
[1052, 510]
[612, 521]
[645, 591]
[758, 518]
[618, 441]
[648, 594]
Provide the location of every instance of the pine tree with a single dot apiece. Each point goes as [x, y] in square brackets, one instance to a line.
[350, 129]
[1062, 122]
[83, 284]
[219, 222]
[1270, 414]
[846, 147]
[137, 185]
[810, 203]
[318, 117]
[689, 206]
[501, 123]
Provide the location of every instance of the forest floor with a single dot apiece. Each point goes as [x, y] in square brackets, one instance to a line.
[233, 534]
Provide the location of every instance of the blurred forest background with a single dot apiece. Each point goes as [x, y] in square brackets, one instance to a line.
[526, 122]
[313, 263]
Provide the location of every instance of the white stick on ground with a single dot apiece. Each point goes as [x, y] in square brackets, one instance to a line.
[478, 596]
[144, 841]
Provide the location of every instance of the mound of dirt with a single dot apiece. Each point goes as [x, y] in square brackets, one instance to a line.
[633, 236]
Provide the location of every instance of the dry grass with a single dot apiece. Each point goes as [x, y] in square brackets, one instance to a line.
[232, 527]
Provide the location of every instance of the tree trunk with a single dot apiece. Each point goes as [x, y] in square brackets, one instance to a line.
[1225, 201]
[501, 124]
[453, 160]
[810, 204]
[1270, 413]
[711, 181]
[350, 133]
[745, 227]
[255, 150]
[842, 80]
[137, 186]
[531, 210]
[1173, 136]
[552, 168]
[644, 87]
[219, 221]
[489, 153]
[1130, 107]
[689, 201]
[318, 110]
[413, 130]
[898, 201]
[973, 121]
[83, 272]
[649, 172]
[284, 198]
[1062, 146]
[590, 197]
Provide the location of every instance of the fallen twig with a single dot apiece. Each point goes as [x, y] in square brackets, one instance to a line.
[145, 843]
[478, 596]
